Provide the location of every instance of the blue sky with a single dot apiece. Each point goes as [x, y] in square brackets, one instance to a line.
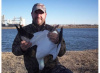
[58, 11]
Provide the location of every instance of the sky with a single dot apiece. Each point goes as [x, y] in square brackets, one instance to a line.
[58, 11]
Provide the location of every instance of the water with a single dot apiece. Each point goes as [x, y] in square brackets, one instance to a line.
[76, 39]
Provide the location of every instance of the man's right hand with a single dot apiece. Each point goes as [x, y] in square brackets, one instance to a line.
[25, 45]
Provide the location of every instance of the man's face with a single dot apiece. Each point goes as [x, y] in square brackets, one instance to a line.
[38, 17]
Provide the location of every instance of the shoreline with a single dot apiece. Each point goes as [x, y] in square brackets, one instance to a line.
[66, 50]
[77, 61]
[67, 26]
[8, 27]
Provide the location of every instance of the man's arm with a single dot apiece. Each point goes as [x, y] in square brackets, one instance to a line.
[55, 38]
[16, 49]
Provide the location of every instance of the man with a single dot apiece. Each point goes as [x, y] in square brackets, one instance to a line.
[20, 47]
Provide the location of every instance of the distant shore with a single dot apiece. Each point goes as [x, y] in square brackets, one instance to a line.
[77, 61]
[67, 26]
[8, 27]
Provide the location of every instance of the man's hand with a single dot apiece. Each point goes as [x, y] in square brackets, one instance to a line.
[54, 37]
[25, 45]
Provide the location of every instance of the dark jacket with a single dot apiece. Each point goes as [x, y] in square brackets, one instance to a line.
[29, 55]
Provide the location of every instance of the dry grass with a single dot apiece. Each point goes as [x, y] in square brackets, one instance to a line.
[77, 61]
[81, 61]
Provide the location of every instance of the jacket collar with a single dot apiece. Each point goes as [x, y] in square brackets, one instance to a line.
[39, 28]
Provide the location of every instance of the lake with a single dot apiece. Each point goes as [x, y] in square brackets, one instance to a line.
[76, 38]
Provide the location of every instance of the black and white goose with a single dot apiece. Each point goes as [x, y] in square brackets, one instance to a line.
[44, 45]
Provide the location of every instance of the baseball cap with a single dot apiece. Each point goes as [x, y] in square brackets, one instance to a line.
[38, 6]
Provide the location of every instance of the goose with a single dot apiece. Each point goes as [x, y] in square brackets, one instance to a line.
[44, 45]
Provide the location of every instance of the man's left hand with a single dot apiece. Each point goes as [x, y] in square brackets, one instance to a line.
[54, 37]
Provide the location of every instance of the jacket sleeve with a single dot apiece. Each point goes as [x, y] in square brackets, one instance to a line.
[62, 49]
[16, 49]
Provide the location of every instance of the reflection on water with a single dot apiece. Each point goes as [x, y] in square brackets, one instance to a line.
[76, 39]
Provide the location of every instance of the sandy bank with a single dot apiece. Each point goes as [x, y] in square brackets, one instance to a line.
[77, 61]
